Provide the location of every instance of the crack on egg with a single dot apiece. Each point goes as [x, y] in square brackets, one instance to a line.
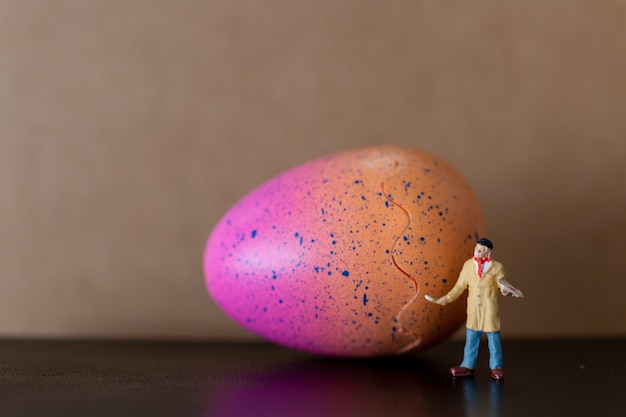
[416, 339]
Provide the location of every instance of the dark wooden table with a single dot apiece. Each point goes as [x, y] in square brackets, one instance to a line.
[141, 378]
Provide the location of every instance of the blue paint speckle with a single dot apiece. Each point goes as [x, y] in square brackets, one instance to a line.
[365, 300]
[253, 234]
[345, 273]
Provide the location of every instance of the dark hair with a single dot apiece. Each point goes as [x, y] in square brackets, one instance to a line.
[485, 242]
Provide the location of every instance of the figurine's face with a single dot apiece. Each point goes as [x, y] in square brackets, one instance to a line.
[481, 251]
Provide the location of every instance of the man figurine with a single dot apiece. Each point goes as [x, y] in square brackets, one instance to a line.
[482, 277]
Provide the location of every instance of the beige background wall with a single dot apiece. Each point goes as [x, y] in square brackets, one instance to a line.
[127, 128]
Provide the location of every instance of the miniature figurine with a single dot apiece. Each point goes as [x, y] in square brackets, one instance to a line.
[482, 277]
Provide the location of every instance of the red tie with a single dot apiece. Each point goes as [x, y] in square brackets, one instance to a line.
[481, 262]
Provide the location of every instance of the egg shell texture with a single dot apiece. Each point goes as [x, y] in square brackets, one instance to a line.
[334, 256]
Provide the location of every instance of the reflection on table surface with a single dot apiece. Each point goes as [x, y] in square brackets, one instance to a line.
[389, 387]
[113, 378]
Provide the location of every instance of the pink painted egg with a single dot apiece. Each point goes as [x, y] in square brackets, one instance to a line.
[334, 256]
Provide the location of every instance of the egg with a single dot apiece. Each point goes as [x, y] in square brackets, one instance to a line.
[334, 256]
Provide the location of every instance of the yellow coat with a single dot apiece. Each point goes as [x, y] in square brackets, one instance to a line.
[482, 295]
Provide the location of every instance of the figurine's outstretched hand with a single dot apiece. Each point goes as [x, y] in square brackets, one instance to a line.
[441, 301]
[508, 289]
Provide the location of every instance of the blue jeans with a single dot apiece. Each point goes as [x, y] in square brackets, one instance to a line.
[470, 354]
